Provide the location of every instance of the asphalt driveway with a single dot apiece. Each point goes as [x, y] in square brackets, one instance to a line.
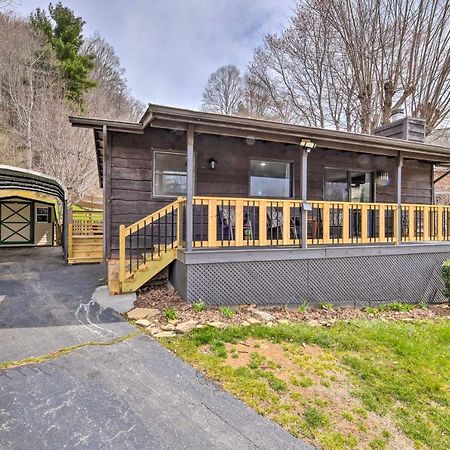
[129, 394]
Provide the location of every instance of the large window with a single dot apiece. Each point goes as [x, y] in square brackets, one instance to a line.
[347, 185]
[169, 174]
[270, 179]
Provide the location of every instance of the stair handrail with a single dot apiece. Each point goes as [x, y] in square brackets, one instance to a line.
[125, 231]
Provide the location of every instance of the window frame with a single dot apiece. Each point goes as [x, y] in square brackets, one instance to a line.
[291, 176]
[169, 152]
[47, 214]
[349, 170]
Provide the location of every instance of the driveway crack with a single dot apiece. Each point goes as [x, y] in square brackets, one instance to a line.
[65, 350]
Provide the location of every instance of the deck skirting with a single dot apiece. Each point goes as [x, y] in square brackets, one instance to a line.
[346, 276]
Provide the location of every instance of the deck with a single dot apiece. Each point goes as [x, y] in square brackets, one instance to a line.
[257, 228]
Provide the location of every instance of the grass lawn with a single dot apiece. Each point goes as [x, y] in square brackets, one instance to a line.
[360, 384]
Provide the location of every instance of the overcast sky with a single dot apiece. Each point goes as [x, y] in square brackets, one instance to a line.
[170, 47]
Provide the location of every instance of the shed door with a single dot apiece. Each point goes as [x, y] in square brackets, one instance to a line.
[16, 223]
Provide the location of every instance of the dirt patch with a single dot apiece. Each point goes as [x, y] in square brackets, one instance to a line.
[314, 378]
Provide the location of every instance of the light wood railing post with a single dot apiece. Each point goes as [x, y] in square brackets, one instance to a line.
[364, 224]
[286, 223]
[382, 224]
[262, 222]
[212, 223]
[326, 223]
[180, 241]
[440, 223]
[426, 223]
[396, 224]
[345, 223]
[122, 252]
[411, 224]
[239, 225]
[70, 240]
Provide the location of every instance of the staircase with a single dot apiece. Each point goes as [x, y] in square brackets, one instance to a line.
[148, 246]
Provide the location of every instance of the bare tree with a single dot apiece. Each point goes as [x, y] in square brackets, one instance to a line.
[34, 127]
[223, 91]
[304, 75]
[111, 97]
[399, 54]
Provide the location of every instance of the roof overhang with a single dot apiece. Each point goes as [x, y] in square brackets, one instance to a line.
[30, 180]
[158, 116]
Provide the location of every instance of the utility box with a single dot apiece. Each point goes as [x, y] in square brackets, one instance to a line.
[406, 128]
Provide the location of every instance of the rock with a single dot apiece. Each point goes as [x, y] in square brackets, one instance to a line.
[153, 313]
[173, 322]
[168, 327]
[245, 323]
[263, 315]
[269, 324]
[139, 313]
[200, 325]
[217, 324]
[164, 334]
[313, 323]
[143, 322]
[153, 330]
[186, 327]
[253, 321]
[283, 322]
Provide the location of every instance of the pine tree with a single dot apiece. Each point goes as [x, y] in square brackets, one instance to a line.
[63, 32]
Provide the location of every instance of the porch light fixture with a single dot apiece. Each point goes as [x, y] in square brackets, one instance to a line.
[212, 164]
[383, 178]
[307, 144]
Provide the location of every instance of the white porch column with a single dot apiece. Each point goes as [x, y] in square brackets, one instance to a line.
[304, 195]
[399, 197]
[190, 187]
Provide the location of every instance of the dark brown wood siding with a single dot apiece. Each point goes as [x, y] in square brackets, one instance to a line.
[130, 180]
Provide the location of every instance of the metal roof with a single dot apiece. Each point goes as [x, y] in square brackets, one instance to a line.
[30, 180]
[158, 116]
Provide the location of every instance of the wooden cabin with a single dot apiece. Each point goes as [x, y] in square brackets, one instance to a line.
[252, 211]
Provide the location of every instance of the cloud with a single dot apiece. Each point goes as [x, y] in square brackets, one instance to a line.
[170, 47]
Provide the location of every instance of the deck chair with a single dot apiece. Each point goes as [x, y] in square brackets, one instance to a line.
[227, 215]
[275, 220]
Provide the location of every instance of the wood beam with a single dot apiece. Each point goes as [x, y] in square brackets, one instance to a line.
[190, 187]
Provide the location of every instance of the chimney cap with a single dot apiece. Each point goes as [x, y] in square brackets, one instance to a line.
[397, 114]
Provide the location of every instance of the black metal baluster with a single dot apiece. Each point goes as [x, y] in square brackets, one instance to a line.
[159, 234]
[131, 251]
[172, 216]
[145, 242]
[153, 240]
[165, 232]
[137, 247]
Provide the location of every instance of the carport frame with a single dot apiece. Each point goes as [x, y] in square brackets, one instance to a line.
[30, 180]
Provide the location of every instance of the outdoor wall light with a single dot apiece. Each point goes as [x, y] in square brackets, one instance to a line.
[212, 164]
[383, 178]
[307, 144]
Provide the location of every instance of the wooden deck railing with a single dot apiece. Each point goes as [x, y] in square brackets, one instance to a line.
[238, 222]
[150, 239]
[85, 236]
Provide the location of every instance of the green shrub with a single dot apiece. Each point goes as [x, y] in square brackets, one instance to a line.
[446, 277]
[326, 306]
[171, 314]
[303, 308]
[199, 306]
[226, 311]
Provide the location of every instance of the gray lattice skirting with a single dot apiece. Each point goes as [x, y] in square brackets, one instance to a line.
[350, 277]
